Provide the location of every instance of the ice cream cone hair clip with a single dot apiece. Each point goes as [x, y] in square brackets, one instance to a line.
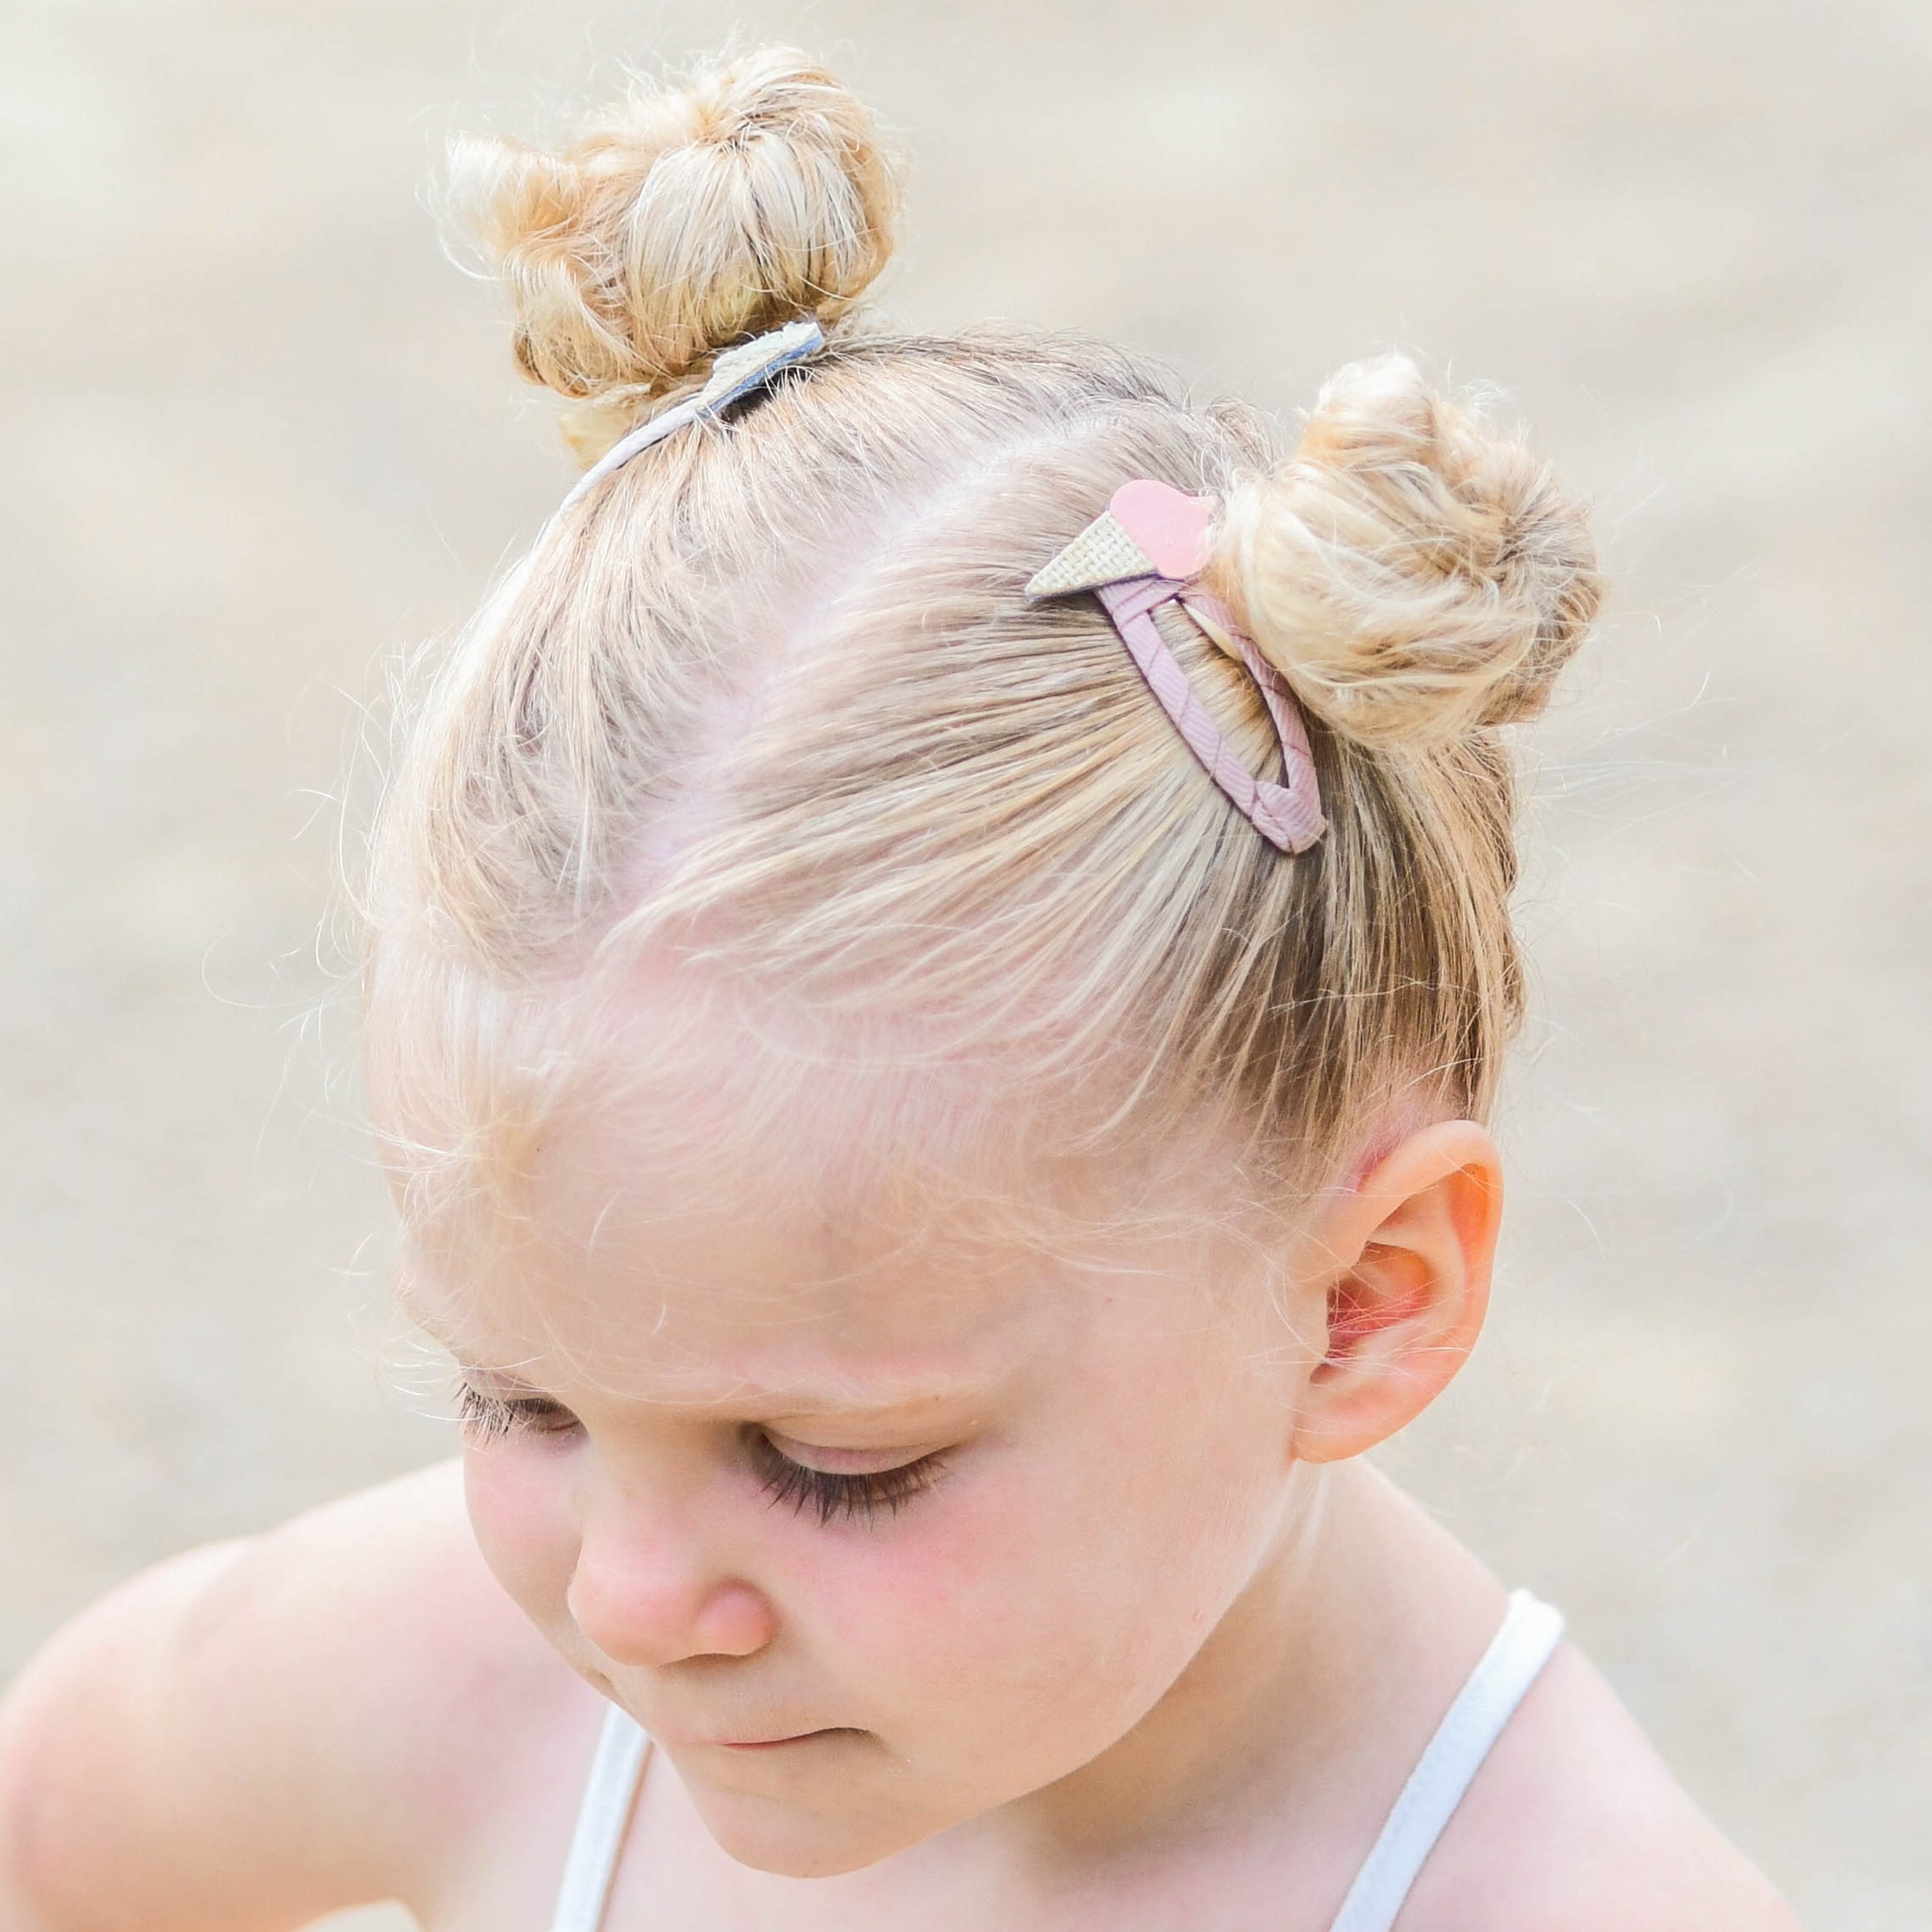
[1149, 548]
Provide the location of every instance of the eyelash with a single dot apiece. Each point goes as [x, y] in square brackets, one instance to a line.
[488, 1418]
[855, 1498]
[860, 1498]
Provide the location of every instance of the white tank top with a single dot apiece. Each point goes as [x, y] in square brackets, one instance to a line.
[1530, 1632]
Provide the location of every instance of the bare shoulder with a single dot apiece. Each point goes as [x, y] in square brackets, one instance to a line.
[269, 1729]
[1575, 1821]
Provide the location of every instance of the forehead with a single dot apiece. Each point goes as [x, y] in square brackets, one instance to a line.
[732, 1294]
[722, 1214]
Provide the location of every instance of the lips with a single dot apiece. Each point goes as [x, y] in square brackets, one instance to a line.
[765, 1743]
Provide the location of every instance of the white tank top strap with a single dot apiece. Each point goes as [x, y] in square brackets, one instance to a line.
[616, 1774]
[1531, 1632]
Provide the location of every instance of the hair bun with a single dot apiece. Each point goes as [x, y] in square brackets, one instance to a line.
[678, 222]
[1410, 572]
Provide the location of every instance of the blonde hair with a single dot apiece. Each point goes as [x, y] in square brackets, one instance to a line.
[771, 697]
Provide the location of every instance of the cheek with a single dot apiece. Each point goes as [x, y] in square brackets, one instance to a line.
[519, 1507]
[1044, 1600]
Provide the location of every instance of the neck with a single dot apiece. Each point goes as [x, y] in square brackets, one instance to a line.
[1308, 1702]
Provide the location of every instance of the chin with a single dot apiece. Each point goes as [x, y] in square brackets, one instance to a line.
[796, 1840]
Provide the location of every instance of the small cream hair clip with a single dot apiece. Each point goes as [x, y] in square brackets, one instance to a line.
[734, 374]
[1149, 548]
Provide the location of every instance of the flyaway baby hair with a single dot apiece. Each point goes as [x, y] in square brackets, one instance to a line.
[771, 697]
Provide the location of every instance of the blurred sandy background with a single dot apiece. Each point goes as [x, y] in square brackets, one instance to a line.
[257, 433]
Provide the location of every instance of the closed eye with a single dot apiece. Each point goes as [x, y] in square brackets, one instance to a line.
[830, 1493]
[855, 1496]
[486, 1418]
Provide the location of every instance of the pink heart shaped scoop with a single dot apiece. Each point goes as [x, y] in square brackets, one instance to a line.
[1169, 528]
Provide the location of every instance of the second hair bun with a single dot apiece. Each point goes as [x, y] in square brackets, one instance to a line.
[1413, 574]
[677, 223]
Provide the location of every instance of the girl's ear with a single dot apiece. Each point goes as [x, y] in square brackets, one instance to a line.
[1410, 1252]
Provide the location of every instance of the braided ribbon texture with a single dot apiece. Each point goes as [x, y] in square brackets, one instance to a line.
[1288, 815]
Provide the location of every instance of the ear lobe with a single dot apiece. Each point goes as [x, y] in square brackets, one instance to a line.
[1414, 1244]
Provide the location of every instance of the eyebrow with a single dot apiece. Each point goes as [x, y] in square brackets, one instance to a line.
[845, 1397]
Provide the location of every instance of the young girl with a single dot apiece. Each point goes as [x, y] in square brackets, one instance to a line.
[937, 960]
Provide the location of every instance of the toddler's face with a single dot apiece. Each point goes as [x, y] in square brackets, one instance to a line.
[876, 1517]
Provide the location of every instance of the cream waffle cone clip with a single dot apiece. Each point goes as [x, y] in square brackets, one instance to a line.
[1148, 530]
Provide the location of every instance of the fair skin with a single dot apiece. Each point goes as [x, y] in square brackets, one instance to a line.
[964, 1579]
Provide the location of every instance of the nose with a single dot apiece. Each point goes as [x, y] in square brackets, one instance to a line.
[647, 1593]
